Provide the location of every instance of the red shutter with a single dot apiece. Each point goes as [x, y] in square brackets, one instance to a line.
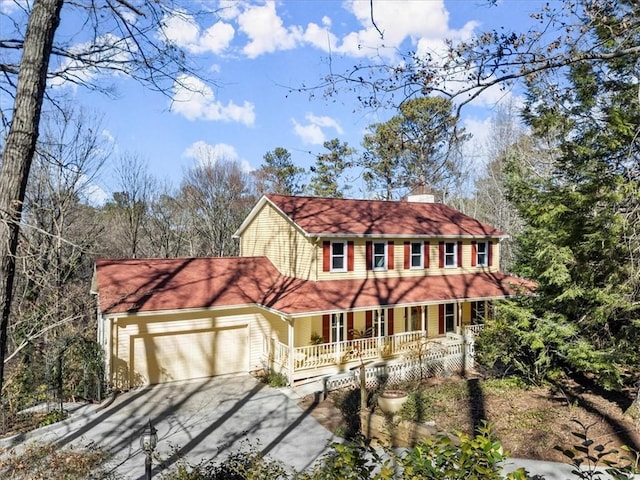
[441, 319]
[441, 247]
[490, 253]
[459, 254]
[474, 253]
[326, 325]
[369, 254]
[350, 256]
[349, 325]
[368, 322]
[427, 247]
[326, 256]
[390, 321]
[407, 255]
[390, 259]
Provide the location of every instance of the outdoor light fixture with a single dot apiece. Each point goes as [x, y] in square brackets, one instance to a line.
[148, 442]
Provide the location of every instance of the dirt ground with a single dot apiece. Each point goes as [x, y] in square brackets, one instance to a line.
[528, 422]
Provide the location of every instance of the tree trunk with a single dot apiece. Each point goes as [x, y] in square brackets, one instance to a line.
[20, 147]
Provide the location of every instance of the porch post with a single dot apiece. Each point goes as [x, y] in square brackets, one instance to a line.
[291, 361]
[459, 318]
[423, 318]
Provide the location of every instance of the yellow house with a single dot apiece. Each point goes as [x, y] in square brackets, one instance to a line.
[320, 285]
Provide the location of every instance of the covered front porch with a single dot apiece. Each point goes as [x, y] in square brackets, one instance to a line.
[350, 339]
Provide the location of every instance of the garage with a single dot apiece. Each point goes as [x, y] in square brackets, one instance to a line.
[165, 351]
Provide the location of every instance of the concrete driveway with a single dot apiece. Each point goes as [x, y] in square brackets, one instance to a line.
[197, 419]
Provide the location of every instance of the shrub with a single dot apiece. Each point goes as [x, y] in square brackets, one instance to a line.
[275, 379]
[462, 457]
[43, 461]
[246, 464]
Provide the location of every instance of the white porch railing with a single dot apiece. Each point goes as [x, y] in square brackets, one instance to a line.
[440, 358]
[473, 329]
[325, 354]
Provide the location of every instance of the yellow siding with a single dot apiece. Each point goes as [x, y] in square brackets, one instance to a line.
[398, 270]
[273, 236]
[432, 321]
[131, 335]
[466, 313]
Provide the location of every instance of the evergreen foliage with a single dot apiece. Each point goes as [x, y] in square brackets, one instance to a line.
[581, 211]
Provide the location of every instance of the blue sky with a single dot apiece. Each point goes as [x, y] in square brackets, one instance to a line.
[253, 51]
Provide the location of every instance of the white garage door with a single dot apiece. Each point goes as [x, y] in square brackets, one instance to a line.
[182, 355]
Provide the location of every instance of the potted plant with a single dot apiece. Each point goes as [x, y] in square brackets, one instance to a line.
[391, 401]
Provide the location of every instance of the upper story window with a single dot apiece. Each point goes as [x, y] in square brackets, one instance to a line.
[450, 254]
[338, 256]
[417, 255]
[482, 254]
[379, 256]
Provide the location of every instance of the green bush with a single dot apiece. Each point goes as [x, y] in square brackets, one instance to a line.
[275, 379]
[461, 457]
[54, 416]
[355, 460]
[246, 464]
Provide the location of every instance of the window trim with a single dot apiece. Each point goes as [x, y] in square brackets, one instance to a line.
[453, 254]
[344, 256]
[385, 256]
[337, 321]
[412, 255]
[485, 253]
[379, 317]
[451, 315]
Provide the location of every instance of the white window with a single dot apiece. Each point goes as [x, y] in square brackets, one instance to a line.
[482, 254]
[417, 255]
[338, 256]
[450, 317]
[450, 255]
[379, 323]
[338, 328]
[379, 256]
[478, 312]
[413, 319]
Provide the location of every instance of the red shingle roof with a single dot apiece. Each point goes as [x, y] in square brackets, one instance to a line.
[148, 285]
[337, 216]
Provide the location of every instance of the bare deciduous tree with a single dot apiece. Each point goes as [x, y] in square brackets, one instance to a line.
[122, 37]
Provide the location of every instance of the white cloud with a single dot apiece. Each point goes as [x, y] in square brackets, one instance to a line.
[309, 134]
[95, 195]
[266, 31]
[324, 122]
[182, 29]
[109, 49]
[206, 154]
[312, 133]
[196, 101]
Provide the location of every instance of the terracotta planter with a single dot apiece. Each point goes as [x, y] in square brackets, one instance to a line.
[391, 401]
